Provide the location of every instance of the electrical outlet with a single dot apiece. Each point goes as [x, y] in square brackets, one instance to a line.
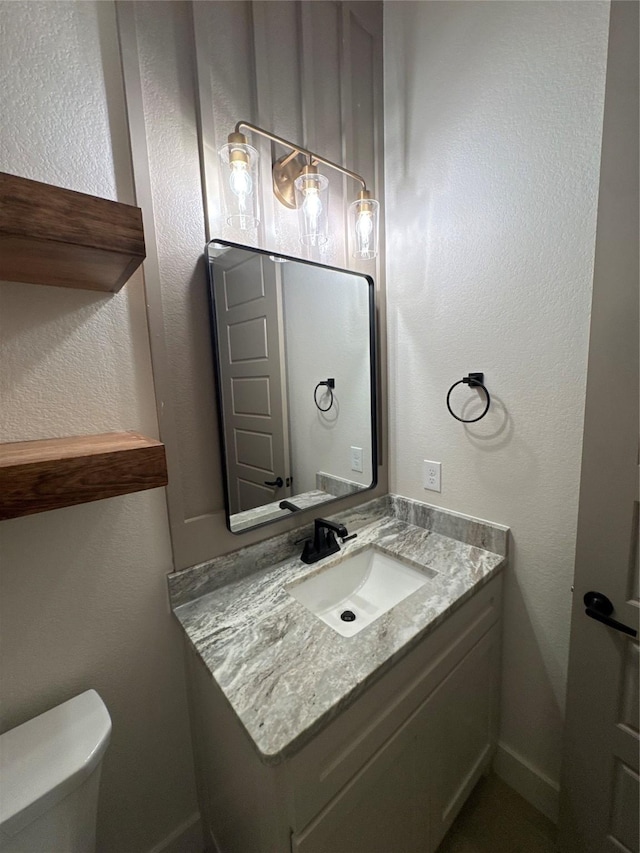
[356, 459]
[432, 476]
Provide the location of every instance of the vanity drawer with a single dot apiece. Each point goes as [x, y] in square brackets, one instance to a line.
[324, 766]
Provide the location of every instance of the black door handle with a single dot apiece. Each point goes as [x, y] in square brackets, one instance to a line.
[599, 607]
[278, 482]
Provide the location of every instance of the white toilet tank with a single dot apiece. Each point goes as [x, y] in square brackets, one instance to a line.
[49, 778]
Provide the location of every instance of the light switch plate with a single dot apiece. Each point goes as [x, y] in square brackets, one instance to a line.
[356, 459]
[432, 475]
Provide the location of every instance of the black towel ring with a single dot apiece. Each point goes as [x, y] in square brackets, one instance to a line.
[473, 380]
[330, 385]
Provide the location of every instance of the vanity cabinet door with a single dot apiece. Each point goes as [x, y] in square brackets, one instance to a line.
[378, 811]
[459, 731]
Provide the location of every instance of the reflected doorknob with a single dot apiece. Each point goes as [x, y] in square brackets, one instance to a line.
[278, 482]
[599, 607]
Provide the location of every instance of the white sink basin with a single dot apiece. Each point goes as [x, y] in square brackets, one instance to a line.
[368, 584]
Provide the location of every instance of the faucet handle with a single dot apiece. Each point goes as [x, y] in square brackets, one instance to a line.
[344, 539]
[336, 526]
[308, 552]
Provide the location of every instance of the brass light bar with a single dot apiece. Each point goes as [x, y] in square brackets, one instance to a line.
[297, 149]
[298, 186]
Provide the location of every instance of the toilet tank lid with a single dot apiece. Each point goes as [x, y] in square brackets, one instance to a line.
[46, 758]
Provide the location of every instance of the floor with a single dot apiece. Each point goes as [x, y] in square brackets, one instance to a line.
[497, 820]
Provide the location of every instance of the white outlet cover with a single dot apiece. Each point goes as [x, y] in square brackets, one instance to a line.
[432, 476]
[356, 459]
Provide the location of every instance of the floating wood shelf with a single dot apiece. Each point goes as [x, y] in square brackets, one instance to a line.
[40, 475]
[50, 235]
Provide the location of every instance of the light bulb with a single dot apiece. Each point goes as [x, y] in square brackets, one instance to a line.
[364, 230]
[239, 164]
[312, 206]
[364, 222]
[240, 179]
[241, 184]
[312, 210]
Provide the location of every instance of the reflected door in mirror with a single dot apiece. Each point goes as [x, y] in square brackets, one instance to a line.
[249, 324]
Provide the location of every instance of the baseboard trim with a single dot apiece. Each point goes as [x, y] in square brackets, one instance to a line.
[186, 838]
[543, 793]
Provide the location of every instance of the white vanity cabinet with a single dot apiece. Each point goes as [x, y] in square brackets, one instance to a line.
[389, 773]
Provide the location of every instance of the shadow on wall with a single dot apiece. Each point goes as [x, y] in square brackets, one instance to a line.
[110, 56]
[45, 332]
[193, 380]
[495, 432]
[532, 651]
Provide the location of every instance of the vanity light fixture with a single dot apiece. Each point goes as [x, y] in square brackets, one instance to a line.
[298, 185]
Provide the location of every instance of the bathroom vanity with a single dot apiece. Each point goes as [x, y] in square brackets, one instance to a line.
[314, 742]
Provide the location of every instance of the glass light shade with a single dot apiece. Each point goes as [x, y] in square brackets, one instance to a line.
[363, 218]
[239, 179]
[312, 197]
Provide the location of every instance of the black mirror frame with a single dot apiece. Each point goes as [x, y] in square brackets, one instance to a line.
[373, 360]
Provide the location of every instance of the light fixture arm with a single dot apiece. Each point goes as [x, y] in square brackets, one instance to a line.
[296, 149]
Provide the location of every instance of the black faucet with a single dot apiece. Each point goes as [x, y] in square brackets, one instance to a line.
[324, 540]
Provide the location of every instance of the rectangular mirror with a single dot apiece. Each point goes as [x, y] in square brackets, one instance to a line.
[294, 346]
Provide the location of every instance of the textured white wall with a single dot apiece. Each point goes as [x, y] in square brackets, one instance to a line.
[493, 131]
[83, 597]
[326, 325]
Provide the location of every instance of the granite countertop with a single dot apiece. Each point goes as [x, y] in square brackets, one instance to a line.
[286, 673]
